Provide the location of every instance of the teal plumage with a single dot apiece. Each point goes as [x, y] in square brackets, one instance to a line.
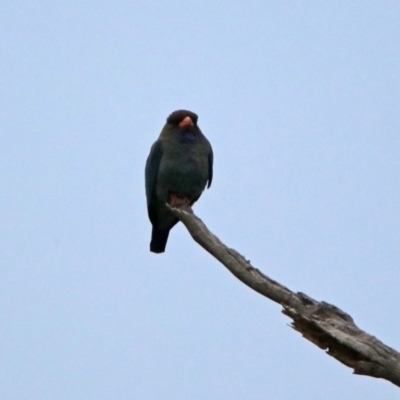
[178, 168]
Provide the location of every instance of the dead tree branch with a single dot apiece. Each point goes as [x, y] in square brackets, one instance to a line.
[321, 323]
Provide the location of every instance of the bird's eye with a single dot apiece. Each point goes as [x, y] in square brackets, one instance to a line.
[174, 120]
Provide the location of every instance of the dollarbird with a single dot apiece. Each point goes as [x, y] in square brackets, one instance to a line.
[178, 168]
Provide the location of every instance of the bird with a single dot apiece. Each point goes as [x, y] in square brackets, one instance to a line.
[178, 168]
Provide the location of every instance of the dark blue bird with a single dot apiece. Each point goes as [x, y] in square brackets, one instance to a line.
[178, 168]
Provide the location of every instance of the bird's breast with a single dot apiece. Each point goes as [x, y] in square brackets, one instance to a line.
[184, 170]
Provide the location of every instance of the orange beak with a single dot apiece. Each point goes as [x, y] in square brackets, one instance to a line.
[186, 123]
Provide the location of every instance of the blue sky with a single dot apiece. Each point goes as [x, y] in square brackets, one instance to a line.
[301, 102]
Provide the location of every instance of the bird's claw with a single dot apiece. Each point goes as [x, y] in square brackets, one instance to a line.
[178, 200]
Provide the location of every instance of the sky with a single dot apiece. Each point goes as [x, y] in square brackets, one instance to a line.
[301, 102]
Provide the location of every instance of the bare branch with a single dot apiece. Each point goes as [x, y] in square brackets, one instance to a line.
[321, 323]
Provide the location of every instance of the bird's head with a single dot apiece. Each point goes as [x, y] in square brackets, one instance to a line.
[183, 120]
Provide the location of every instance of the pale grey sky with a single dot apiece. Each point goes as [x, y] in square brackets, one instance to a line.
[301, 102]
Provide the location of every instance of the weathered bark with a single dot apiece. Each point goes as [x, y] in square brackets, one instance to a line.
[322, 323]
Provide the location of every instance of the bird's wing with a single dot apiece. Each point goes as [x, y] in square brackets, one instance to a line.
[151, 173]
[210, 167]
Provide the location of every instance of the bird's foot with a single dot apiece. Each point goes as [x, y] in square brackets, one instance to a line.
[178, 200]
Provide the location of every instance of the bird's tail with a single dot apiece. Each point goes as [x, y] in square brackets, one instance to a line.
[159, 239]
